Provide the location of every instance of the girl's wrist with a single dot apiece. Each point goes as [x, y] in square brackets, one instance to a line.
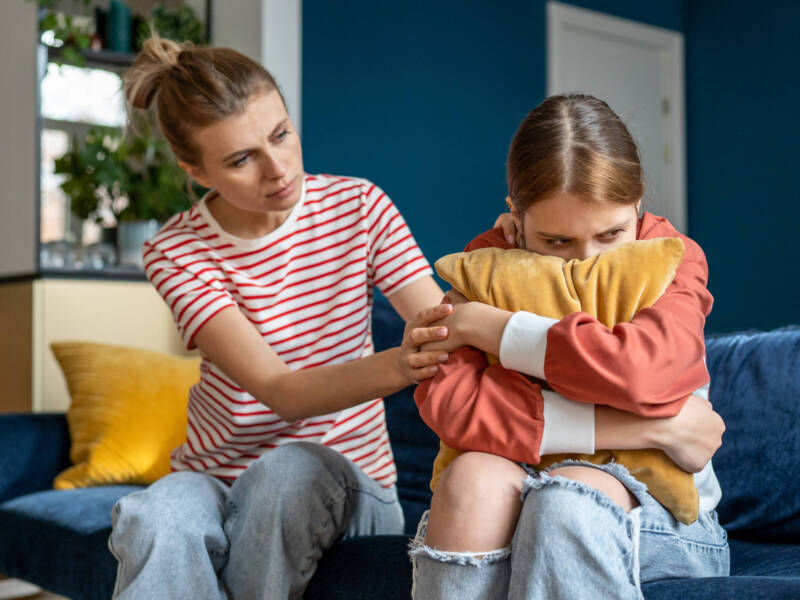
[484, 326]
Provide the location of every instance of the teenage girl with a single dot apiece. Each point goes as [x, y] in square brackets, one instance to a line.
[498, 529]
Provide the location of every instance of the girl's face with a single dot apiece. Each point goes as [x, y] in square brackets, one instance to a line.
[252, 159]
[567, 226]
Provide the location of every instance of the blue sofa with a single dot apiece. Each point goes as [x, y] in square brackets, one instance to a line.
[57, 539]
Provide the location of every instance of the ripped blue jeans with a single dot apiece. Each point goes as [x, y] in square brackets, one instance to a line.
[573, 542]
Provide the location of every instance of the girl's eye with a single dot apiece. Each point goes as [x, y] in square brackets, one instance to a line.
[611, 235]
[557, 241]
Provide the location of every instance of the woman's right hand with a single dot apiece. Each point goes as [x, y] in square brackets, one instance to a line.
[692, 437]
[414, 363]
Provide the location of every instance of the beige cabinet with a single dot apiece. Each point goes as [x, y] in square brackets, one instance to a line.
[36, 312]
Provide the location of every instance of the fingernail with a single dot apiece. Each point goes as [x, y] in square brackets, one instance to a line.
[443, 357]
[510, 239]
[441, 332]
[446, 307]
[433, 369]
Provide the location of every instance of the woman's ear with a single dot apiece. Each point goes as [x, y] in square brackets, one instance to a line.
[196, 173]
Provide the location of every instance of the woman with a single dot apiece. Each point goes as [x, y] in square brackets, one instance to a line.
[270, 275]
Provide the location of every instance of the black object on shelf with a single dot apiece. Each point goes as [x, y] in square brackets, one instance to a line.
[97, 58]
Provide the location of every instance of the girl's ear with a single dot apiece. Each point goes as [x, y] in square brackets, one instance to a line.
[639, 207]
[195, 173]
[517, 216]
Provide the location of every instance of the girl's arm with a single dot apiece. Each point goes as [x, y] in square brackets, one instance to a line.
[234, 345]
[648, 366]
[473, 406]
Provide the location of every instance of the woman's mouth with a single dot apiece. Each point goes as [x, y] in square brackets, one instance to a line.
[283, 192]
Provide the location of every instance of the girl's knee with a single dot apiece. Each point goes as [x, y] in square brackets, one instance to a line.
[476, 477]
[476, 504]
[601, 481]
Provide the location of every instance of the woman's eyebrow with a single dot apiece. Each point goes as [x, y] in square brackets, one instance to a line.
[279, 126]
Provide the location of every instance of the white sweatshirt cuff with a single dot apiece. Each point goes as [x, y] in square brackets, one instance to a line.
[568, 425]
[524, 343]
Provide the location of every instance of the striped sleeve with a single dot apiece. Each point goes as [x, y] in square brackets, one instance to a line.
[394, 259]
[193, 299]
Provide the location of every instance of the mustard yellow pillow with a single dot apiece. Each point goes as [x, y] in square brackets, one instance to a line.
[128, 412]
[612, 286]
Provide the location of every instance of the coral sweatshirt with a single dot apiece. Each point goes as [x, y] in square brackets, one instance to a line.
[648, 366]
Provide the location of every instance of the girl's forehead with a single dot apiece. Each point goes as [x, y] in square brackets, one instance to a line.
[569, 215]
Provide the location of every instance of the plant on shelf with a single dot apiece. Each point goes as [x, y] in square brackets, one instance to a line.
[71, 33]
[178, 23]
[131, 179]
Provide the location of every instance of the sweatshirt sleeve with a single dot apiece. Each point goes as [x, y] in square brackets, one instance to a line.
[648, 366]
[474, 406]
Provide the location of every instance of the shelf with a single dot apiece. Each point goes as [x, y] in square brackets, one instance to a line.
[108, 274]
[103, 59]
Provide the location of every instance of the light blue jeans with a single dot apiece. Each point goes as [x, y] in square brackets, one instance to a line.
[191, 536]
[574, 542]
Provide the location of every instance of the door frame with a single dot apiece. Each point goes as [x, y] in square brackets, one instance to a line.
[561, 16]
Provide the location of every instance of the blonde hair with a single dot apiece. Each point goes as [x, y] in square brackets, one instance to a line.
[573, 144]
[192, 87]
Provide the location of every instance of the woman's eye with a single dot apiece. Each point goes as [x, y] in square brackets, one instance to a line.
[282, 135]
[557, 241]
[241, 161]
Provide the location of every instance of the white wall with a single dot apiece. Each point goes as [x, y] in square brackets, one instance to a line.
[18, 144]
[269, 31]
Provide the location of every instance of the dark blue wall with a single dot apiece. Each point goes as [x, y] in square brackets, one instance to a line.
[424, 97]
[743, 145]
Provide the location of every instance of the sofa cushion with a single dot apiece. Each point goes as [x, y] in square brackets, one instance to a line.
[724, 588]
[57, 539]
[33, 447]
[128, 412]
[769, 560]
[755, 386]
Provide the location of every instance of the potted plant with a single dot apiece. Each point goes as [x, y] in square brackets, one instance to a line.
[133, 179]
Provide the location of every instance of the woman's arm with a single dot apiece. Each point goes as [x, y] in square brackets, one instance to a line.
[231, 342]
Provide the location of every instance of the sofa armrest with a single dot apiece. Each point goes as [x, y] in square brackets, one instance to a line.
[34, 448]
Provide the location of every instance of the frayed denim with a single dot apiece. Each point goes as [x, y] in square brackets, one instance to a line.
[573, 542]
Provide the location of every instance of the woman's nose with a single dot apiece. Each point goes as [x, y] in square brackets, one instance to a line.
[273, 166]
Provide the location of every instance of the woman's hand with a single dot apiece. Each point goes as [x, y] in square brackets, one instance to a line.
[416, 362]
[692, 436]
[506, 222]
[457, 323]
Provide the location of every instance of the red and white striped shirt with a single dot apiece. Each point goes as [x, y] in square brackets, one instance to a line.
[307, 287]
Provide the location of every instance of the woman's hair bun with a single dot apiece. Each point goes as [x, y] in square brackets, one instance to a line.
[143, 79]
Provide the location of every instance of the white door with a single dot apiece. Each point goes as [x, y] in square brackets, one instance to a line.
[638, 70]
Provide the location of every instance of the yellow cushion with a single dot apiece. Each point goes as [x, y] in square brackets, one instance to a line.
[128, 412]
[612, 286]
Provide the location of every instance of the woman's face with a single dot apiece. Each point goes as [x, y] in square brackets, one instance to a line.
[569, 227]
[253, 159]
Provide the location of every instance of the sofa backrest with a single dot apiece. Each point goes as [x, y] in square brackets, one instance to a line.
[755, 387]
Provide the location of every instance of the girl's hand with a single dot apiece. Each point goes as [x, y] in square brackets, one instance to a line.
[414, 362]
[506, 222]
[693, 436]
